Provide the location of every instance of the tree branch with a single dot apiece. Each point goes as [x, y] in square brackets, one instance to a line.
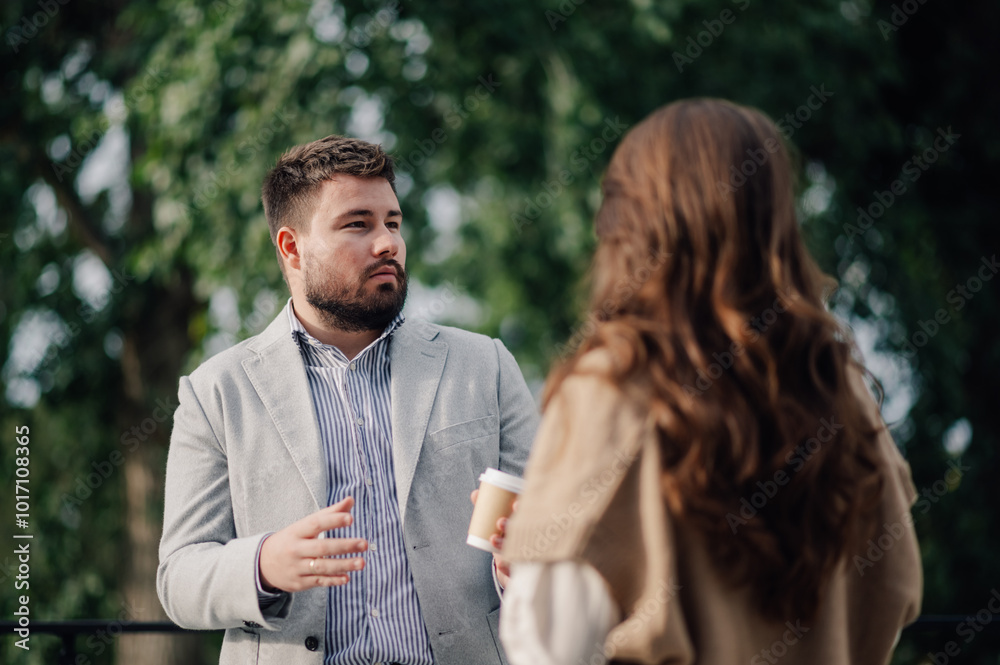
[90, 234]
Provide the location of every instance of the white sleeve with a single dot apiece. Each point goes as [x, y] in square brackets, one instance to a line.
[556, 614]
[496, 580]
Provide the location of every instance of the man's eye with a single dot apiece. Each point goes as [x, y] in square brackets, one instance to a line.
[355, 224]
[392, 225]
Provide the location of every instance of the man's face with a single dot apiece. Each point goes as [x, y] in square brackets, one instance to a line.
[353, 255]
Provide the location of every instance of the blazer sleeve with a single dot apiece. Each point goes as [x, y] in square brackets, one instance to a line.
[518, 413]
[206, 579]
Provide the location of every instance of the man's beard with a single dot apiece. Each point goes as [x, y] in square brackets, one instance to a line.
[358, 311]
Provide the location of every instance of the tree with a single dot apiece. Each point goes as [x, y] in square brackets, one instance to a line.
[135, 136]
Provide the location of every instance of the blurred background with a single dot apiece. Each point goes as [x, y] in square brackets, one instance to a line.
[134, 137]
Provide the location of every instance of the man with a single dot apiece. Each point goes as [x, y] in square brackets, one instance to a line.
[318, 479]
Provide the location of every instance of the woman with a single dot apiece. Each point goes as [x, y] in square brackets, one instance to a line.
[712, 482]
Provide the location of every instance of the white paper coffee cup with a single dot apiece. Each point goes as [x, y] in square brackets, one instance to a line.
[497, 493]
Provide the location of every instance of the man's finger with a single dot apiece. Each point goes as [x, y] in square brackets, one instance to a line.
[331, 517]
[342, 506]
[317, 523]
[474, 495]
[324, 547]
[332, 567]
[335, 580]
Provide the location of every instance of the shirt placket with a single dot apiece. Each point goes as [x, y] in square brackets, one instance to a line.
[358, 399]
[339, 375]
[380, 458]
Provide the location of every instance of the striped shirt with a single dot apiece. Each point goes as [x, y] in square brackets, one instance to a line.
[374, 618]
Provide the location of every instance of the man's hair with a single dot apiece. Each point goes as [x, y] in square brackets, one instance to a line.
[289, 189]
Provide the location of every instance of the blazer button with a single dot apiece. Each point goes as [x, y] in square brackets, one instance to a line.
[312, 643]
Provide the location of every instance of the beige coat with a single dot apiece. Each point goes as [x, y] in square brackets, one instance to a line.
[593, 495]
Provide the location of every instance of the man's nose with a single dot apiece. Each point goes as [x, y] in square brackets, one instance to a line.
[385, 242]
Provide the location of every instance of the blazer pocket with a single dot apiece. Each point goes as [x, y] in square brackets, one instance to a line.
[462, 432]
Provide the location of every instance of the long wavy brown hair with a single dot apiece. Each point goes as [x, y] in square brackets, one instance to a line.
[713, 312]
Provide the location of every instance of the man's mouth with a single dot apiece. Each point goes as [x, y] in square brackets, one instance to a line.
[384, 273]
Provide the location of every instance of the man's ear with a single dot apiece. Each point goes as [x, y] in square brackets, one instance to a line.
[287, 240]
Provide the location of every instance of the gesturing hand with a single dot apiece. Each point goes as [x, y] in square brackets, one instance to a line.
[503, 566]
[293, 559]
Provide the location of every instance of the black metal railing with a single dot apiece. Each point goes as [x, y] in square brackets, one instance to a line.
[68, 631]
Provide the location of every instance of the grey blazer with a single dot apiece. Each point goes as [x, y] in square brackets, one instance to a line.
[245, 460]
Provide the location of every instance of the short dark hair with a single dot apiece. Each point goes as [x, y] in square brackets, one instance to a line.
[289, 187]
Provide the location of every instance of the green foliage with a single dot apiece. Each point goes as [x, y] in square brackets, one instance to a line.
[500, 107]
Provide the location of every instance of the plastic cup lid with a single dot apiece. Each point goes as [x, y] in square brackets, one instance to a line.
[504, 481]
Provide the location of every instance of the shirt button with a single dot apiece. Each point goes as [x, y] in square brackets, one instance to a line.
[360, 420]
[312, 643]
[368, 481]
[375, 612]
[373, 547]
[353, 367]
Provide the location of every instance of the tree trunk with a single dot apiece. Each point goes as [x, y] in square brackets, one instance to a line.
[152, 358]
[144, 491]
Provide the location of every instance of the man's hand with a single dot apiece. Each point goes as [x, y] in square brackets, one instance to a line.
[503, 566]
[293, 559]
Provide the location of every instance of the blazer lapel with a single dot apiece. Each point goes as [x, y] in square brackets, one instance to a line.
[279, 377]
[416, 363]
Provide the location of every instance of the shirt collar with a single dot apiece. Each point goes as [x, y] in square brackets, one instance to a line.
[300, 335]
